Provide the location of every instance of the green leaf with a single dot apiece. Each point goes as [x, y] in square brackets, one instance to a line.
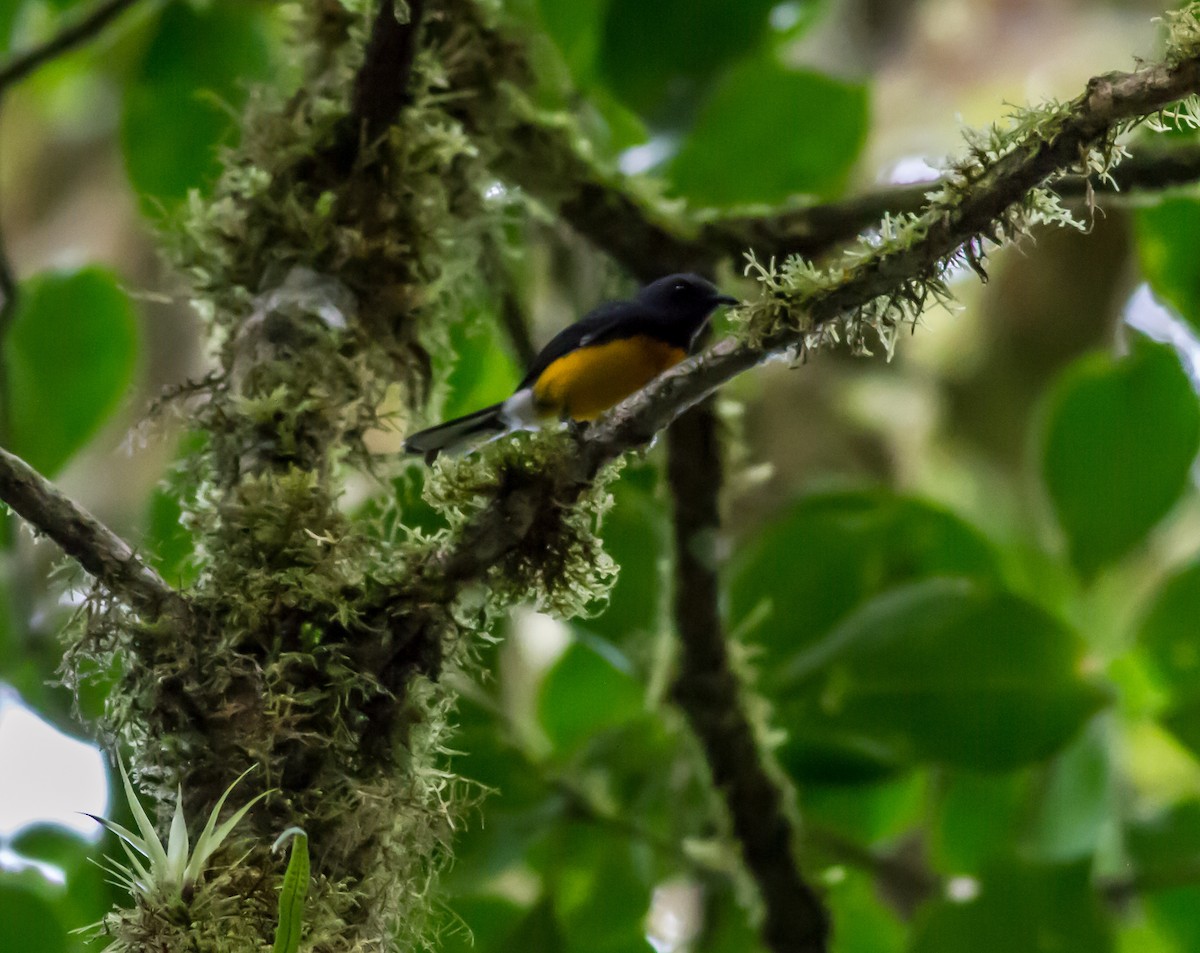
[171, 545]
[71, 355]
[501, 840]
[575, 28]
[609, 124]
[88, 895]
[1140, 935]
[484, 924]
[1169, 635]
[1182, 719]
[483, 371]
[518, 811]
[291, 897]
[978, 818]
[588, 690]
[1173, 911]
[769, 133]
[28, 922]
[489, 756]
[538, 931]
[8, 17]
[944, 671]
[1119, 442]
[1165, 843]
[727, 929]
[1165, 849]
[657, 56]
[184, 98]
[1077, 801]
[601, 897]
[862, 924]
[830, 552]
[1166, 256]
[868, 813]
[1032, 909]
[14, 654]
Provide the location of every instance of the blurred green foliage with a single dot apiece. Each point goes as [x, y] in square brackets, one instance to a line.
[1170, 267]
[69, 357]
[950, 665]
[749, 124]
[184, 97]
[1120, 440]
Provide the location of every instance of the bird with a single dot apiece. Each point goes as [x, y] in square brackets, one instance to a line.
[610, 353]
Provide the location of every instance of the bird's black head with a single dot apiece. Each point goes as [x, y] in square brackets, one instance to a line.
[684, 296]
[682, 304]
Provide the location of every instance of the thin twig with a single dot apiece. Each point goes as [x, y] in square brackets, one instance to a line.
[65, 40]
[706, 688]
[84, 538]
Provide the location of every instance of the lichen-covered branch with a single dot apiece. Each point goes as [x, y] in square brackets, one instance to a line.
[68, 38]
[381, 84]
[606, 209]
[989, 198]
[544, 155]
[812, 229]
[328, 274]
[324, 281]
[706, 688]
[86, 540]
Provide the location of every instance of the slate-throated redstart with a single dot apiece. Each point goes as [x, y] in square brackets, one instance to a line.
[594, 364]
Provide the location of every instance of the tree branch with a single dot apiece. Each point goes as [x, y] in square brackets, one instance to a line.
[706, 688]
[812, 229]
[69, 37]
[381, 85]
[84, 538]
[606, 210]
[975, 212]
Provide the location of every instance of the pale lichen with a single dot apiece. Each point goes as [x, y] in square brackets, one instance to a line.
[792, 292]
[321, 287]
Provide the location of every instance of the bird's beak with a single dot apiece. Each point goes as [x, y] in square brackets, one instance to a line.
[727, 299]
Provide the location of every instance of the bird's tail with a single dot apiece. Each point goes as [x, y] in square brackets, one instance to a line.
[460, 434]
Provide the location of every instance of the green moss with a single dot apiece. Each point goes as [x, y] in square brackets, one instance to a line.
[795, 295]
[317, 646]
[560, 566]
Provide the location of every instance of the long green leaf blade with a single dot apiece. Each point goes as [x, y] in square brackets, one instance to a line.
[293, 894]
[151, 845]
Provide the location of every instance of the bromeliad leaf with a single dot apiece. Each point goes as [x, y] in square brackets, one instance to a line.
[169, 872]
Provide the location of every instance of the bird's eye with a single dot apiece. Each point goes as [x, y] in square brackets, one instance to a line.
[680, 288]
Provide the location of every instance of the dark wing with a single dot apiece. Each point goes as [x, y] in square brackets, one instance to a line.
[606, 323]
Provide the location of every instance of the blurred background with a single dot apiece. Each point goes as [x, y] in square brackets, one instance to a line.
[1000, 525]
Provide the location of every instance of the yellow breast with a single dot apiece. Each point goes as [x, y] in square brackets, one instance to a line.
[586, 382]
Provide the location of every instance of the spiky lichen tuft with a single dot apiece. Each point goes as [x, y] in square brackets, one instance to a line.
[560, 564]
[311, 651]
[1183, 34]
[801, 297]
